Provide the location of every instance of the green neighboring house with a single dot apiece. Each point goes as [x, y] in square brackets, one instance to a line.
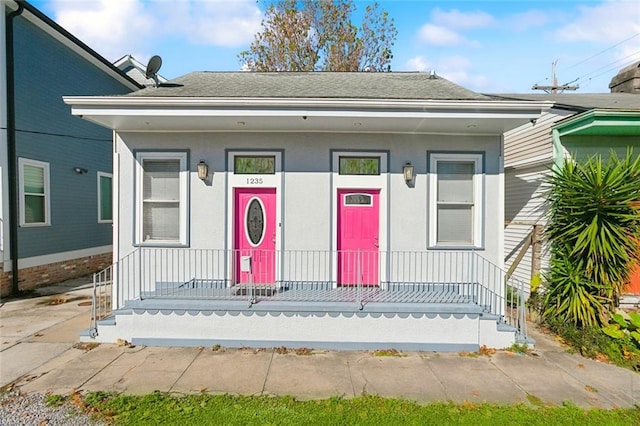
[597, 131]
[577, 126]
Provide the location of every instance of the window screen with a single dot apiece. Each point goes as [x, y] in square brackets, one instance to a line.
[455, 201]
[161, 200]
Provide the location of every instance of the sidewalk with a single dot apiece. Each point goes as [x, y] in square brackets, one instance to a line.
[40, 352]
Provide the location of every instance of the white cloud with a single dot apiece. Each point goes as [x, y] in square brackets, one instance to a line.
[457, 69]
[113, 28]
[117, 27]
[609, 22]
[461, 71]
[524, 21]
[440, 36]
[418, 63]
[225, 23]
[456, 19]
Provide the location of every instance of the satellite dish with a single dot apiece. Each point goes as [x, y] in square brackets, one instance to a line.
[153, 66]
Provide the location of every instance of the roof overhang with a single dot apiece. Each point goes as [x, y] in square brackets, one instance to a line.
[601, 123]
[139, 114]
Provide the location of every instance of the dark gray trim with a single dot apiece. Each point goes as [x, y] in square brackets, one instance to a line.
[483, 213]
[293, 344]
[360, 150]
[228, 150]
[333, 201]
[229, 221]
[187, 243]
[11, 148]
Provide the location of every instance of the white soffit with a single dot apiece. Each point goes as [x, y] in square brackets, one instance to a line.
[152, 114]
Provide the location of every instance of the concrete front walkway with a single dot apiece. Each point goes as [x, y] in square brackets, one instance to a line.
[40, 353]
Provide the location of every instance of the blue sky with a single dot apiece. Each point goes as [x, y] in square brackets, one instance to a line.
[489, 47]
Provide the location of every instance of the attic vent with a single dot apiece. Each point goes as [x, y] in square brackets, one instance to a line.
[432, 75]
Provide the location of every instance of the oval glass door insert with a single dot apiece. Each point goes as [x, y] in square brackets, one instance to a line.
[255, 222]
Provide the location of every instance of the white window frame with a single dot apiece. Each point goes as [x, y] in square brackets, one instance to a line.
[478, 198]
[47, 192]
[110, 176]
[182, 156]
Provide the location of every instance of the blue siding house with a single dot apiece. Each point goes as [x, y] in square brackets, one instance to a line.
[56, 168]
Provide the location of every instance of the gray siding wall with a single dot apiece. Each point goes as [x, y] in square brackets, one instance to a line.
[46, 70]
[531, 142]
[307, 196]
[524, 207]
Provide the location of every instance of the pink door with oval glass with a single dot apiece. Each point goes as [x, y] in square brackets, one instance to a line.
[358, 237]
[255, 235]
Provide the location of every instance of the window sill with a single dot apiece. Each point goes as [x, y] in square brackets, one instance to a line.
[34, 225]
[160, 244]
[456, 247]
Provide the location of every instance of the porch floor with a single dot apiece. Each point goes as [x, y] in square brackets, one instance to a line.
[215, 294]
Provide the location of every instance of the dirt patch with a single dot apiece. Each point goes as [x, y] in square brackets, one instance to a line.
[86, 346]
[59, 300]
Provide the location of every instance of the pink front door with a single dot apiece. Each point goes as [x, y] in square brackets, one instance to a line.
[358, 236]
[255, 235]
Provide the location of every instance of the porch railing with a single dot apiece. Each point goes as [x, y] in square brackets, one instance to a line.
[359, 277]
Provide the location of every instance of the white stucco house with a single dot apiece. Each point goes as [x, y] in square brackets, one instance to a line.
[326, 210]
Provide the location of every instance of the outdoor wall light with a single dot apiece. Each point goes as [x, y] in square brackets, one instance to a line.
[407, 171]
[203, 170]
[80, 170]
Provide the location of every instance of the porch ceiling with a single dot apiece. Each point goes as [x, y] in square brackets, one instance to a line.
[457, 117]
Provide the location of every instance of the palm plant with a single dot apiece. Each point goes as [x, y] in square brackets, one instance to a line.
[594, 230]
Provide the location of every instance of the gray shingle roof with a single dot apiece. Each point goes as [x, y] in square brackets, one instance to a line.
[580, 101]
[330, 85]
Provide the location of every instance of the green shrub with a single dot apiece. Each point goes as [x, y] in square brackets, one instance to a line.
[593, 342]
[594, 229]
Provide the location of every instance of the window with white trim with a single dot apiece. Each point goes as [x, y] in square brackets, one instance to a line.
[105, 197]
[162, 182]
[455, 199]
[34, 193]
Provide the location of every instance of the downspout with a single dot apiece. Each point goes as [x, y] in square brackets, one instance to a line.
[11, 150]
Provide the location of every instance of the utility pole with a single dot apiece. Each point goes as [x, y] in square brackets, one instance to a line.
[554, 86]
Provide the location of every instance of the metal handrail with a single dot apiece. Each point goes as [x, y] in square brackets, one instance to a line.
[358, 277]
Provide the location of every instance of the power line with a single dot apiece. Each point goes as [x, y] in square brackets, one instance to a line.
[62, 135]
[609, 66]
[610, 69]
[593, 56]
[601, 52]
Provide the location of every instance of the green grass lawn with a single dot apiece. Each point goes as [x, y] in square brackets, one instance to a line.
[162, 409]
